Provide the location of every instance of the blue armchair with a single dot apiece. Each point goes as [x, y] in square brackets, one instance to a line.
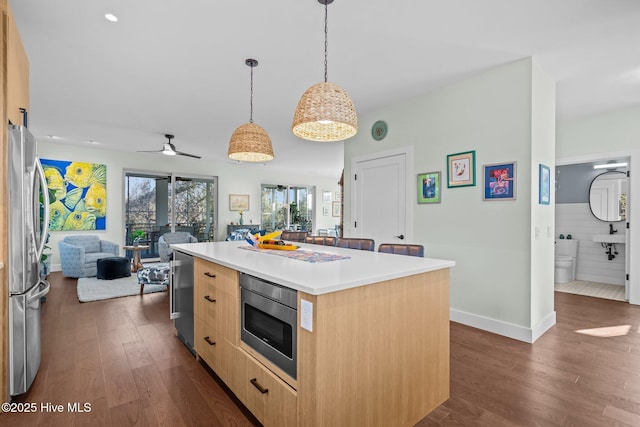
[78, 254]
[166, 240]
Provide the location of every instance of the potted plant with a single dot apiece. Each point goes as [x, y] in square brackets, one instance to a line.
[137, 235]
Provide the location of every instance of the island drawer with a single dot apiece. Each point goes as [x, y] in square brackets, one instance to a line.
[223, 278]
[206, 343]
[270, 400]
[206, 302]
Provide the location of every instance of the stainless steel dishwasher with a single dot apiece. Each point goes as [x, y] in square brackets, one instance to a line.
[181, 297]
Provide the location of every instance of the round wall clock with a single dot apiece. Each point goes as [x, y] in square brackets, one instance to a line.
[379, 130]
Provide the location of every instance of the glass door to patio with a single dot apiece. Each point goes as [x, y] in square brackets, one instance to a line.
[159, 203]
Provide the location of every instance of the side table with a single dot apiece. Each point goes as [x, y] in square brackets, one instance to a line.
[136, 264]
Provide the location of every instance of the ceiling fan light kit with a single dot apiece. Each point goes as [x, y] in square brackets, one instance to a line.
[169, 149]
[250, 142]
[325, 112]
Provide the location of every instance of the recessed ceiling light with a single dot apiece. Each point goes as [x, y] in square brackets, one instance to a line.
[610, 166]
[92, 142]
[53, 137]
[111, 17]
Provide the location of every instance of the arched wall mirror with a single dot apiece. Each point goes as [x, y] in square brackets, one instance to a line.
[608, 196]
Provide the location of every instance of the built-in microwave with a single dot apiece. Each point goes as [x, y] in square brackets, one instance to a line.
[269, 321]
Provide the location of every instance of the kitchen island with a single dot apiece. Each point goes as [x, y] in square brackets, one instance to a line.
[377, 349]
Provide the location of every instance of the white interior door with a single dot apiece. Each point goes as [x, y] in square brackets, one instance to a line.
[380, 199]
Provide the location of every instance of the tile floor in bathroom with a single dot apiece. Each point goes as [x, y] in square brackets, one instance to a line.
[592, 289]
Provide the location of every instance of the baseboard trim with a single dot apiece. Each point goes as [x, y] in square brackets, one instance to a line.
[509, 330]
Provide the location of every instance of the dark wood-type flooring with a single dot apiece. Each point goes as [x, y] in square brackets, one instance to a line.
[123, 358]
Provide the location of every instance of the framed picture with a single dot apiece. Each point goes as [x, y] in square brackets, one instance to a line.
[238, 202]
[337, 196]
[499, 181]
[336, 209]
[461, 169]
[429, 187]
[326, 196]
[544, 184]
[81, 197]
[325, 211]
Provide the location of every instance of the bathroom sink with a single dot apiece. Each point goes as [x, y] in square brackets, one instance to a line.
[608, 238]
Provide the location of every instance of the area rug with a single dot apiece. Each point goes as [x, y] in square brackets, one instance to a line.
[592, 289]
[94, 289]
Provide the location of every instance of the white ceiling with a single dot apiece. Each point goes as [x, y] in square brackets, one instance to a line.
[178, 67]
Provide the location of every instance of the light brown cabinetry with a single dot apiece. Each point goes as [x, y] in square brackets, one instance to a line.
[216, 318]
[14, 94]
[378, 354]
[217, 340]
[270, 400]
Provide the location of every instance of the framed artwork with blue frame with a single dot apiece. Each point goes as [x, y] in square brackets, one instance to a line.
[544, 197]
[500, 181]
[77, 195]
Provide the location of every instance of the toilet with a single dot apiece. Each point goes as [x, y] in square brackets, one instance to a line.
[565, 260]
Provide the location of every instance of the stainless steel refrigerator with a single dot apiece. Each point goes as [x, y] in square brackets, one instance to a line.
[28, 228]
[181, 297]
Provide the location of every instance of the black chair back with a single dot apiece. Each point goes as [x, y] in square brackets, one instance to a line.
[353, 243]
[401, 249]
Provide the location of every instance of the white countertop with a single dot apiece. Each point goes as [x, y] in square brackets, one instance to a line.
[362, 268]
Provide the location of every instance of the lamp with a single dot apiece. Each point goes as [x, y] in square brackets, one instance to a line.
[610, 165]
[325, 112]
[250, 142]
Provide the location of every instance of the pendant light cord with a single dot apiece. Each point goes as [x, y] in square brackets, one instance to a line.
[251, 102]
[326, 43]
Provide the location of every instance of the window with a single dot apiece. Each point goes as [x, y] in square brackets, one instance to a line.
[158, 203]
[287, 207]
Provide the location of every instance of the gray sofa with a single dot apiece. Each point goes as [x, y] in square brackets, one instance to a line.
[78, 254]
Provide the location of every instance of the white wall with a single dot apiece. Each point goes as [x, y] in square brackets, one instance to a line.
[232, 179]
[543, 140]
[497, 114]
[601, 137]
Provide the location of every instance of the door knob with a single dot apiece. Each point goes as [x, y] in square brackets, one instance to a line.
[401, 237]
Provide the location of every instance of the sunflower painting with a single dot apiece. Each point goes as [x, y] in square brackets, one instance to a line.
[77, 195]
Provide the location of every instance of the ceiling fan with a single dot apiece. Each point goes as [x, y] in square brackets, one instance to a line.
[170, 150]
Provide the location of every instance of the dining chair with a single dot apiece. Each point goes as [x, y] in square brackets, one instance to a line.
[401, 249]
[355, 243]
[294, 236]
[321, 240]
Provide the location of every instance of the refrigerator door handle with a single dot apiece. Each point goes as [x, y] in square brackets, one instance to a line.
[41, 293]
[45, 198]
[173, 314]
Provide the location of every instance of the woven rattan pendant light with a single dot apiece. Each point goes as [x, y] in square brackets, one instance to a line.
[325, 112]
[250, 142]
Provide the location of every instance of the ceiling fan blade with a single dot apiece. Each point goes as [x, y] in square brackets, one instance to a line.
[188, 155]
[149, 151]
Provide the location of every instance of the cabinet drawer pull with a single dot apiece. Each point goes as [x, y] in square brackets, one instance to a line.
[259, 387]
[209, 274]
[208, 340]
[208, 298]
